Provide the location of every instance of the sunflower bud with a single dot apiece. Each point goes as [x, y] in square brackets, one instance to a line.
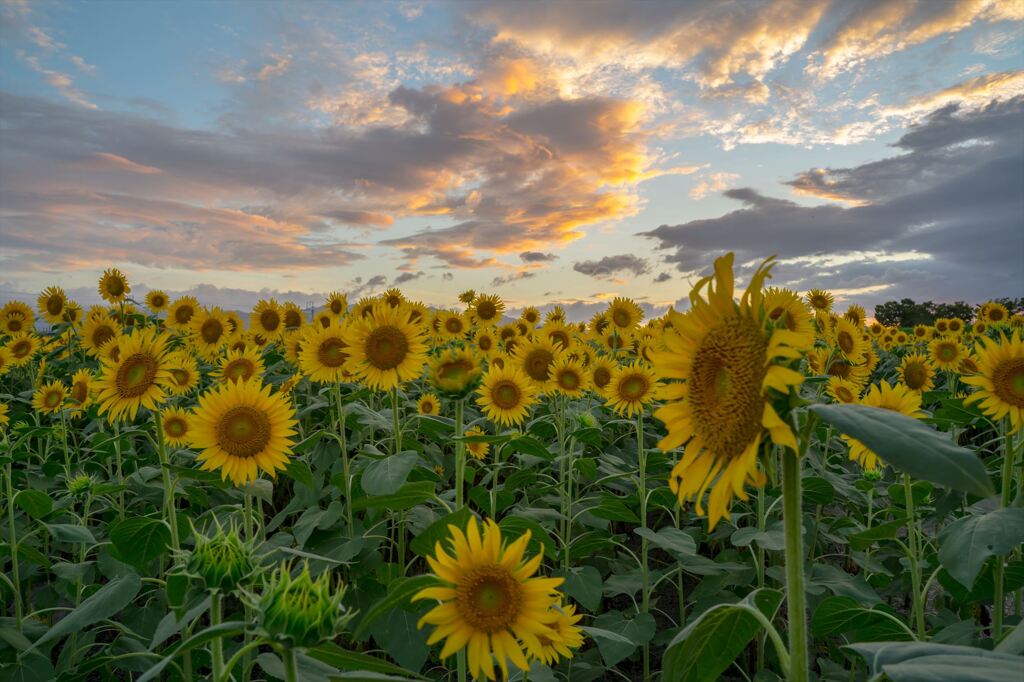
[80, 484]
[222, 560]
[300, 611]
[872, 474]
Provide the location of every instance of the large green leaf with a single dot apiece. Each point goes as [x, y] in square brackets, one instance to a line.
[967, 543]
[910, 446]
[385, 476]
[423, 544]
[842, 615]
[638, 629]
[926, 661]
[399, 593]
[35, 503]
[409, 495]
[332, 654]
[708, 645]
[205, 635]
[102, 604]
[139, 540]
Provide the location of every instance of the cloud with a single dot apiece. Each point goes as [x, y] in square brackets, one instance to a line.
[612, 265]
[407, 277]
[663, 277]
[537, 257]
[713, 182]
[940, 221]
[367, 287]
[61, 82]
[516, 277]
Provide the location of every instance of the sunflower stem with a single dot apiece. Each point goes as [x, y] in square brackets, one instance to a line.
[998, 601]
[12, 540]
[291, 667]
[217, 645]
[795, 597]
[645, 594]
[460, 454]
[345, 464]
[913, 556]
[165, 468]
[120, 470]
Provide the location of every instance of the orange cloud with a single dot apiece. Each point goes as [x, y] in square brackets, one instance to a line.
[115, 162]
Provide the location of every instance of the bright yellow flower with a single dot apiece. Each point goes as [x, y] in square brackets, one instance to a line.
[506, 395]
[138, 378]
[113, 286]
[897, 398]
[49, 398]
[1000, 379]
[631, 388]
[385, 349]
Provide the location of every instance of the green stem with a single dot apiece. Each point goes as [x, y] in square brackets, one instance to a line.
[233, 661]
[217, 645]
[12, 541]
[345, 464]
[999, 600]
[291, 667]
[400, 523]
[120, 469]
[169, 505]
[795, 597]
[913, 556]
[645, 595]
[761, 556]
[397, 426]
[460, 455]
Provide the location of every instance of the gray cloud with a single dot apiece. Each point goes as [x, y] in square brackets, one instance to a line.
[537, 257]
[408, 277]
[663, 277]
[612, 265]
[945, 220]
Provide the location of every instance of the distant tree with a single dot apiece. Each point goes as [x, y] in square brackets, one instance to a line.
[964, 311]
[904, 313]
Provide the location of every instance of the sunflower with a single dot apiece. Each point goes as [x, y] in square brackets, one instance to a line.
[176, 424]
[820, 300]
[559, 334]
[323, 319]
[454, 371]
[942, 325]
[922, 332]
[490, 601]
[209, 332]
[240, 365]
[569, 636]
[267, 319]
[536, 358]
[969, 365]
[631, 387]
[478, 449]
[97, 331]
[336, 305]
[51, 304]
[293, 341]
[849, 340]
[467, 296]
[451, 325]
[530, 316]
[486, 342]
[946, 353]
[624, 313]
[80, 393]
[614, 340]
[1000, 379]
[288, 385]
[184, 371]
[241, 428]
[728, 354]
[487, 309]
[364, 307]
[323, 354]
[897, 398]
[181, 311]
[785, 306]
[556, 314]
[843, 390]
[428, 405]
[386, 349]
[1017, 321]
[138, 378]
[506, 395]
[5, 361]
[569, 377]
[393, 297]
[996, 313]
[856, 314]
[916, 372]
[955, 325]
[16, 322]
[979, 328]
[598, 324]
[113, 286]
[292, 316]
[4, 419]
[23, 348]
[111, 350]
[49, 398]
[601, 372]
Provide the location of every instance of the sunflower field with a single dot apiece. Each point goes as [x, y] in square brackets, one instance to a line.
[761, 487]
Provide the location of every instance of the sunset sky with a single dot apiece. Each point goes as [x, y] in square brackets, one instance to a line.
[555, 152]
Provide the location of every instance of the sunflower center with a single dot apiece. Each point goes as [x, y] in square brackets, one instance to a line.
[115, 287]
[941, 326]
[453, 325]
[336, 306]
[325, 322]
[211, 331]
[52, 399]
[946, 352]
[183, 314]
[569, 380]
[505, 395]
[14, 325]
[159, 301]
[135, 375]
[818, 301]
[101, 335]
[331, 352]
[79, 392]
[180, 376]
[621, 318]
[846, 343]
[633, 387]
[915, 375]
[386, 347]
[489, 598]
[531, 318]
[537, 364]
[292, 318]
[601, 377]
[455, 370]
[845, 395]
[1008, 381]
[239, 368]
[995, 315]
[427, 407]
[270, 320]
[486, 310]
[485, 343]
[243, 431]
[175, 427]
[725, 386]
[20, 349]
[559, 337]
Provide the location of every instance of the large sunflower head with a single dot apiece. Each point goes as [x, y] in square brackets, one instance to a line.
[97, 331]
[242, 428]
[385, 348]
[240, 365]
[49, 398]
[336, 305]
[451, 325]
[267, 319]
[181, 311]
[734, 361]
[184, 371]
[113, 286]
[209, 332]
[16, 317]
[849, 340]
[490, 600]
[455, 371]
[1000, 379]
[946, 352]
[157, 301]
[994, 312]
[292, 316]
[569, 377]
[487, 309]
[897, 398]
[624, 313]
[820, 300]
[23, 347]
[506, 395]
[176, 423]
[843, 390]
[80, 393]
[51, 304]
[942, 325]
[323, 353]
[631, 387]
[138, 378]
[536, 358]
[917, 372]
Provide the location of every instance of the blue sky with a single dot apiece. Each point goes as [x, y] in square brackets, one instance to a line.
[290, 149]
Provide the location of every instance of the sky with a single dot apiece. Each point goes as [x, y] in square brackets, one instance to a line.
[550, 152]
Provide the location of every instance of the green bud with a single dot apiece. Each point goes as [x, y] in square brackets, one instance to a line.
[80, 484]
[873, 474]
[588, 420]
[222, 560]
[300, 611]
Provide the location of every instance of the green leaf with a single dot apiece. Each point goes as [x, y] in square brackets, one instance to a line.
[531, 446]
[208, 634]
[708, 645]
[35, 503]
[399, 593]
[409, 495]
[883, 531]
[584, 584]
[512, 527]
[423, 544]
[638, 630]
[299, 471]
[910, 446]
[927, 661]
[773, 539]
[967, 543]
[842, 615]
[386, 476]
[139, 540]
[1012, 643]
[69, 532]
[29, 669]
[613, 509]
[397, 634]
[672, 540]
[817, 490]
[308, 669]
[102, 604]
[332, 654]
